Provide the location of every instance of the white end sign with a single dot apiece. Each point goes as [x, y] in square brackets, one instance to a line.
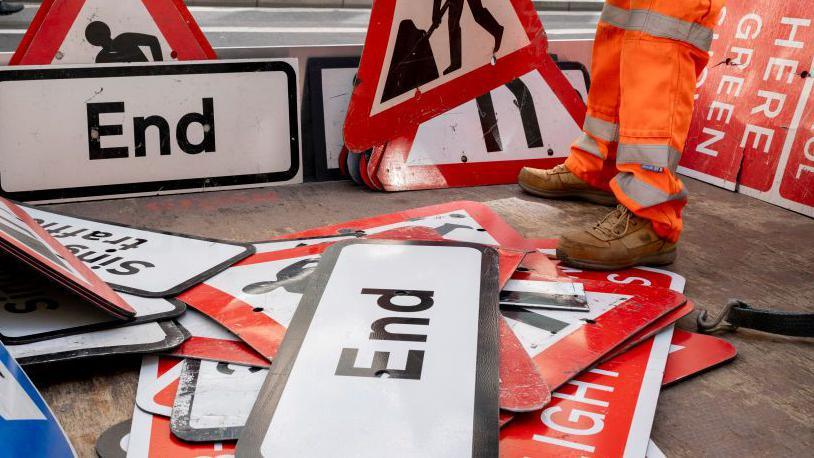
[387, 336]
[76, 132]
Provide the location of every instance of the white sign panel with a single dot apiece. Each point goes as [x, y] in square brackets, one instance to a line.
[432, 310]
[141, 338]
[138, 261]
[77, 132]
[539, 127]
[214, 400]
[460, 41]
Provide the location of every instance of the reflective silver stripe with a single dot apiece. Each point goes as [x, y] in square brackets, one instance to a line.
[658, 25]
[600, 128]
[656, 155]
[589, 145]
[644, 194]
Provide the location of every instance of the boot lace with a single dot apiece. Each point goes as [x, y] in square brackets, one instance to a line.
[616, 223]
[560, 168]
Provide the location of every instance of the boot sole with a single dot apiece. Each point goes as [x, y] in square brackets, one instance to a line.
[654, 260]
[599, 198]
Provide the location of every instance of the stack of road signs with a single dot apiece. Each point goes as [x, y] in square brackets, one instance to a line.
[347, 280]
[42, 323]
[129, 118]
[228, 375]
[448, 333]
[753, 129]
[416, 123]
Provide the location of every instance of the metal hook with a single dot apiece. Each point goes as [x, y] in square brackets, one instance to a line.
[705, 324]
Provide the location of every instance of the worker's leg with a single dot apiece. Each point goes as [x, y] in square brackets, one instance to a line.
[664, 49]
[593, 155]
[591, 165]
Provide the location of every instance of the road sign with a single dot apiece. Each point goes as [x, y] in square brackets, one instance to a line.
[529, 122]
[157, 384]
[150, 437]
[522, 387]
[130, 129]
[214, 400]
[564, 343]
[140, 261]
[403, 291]
[27, 242]
[421, 59]
[753, 129]
[256, 299]
[100, 31]
[652, 329]
[330, 84]
[644, 276]
[606, 411]
[692, 354]
[462, 221]
[545, 294]
[142, 338]
[35, 309]
[27, 425]
[212, 342]
[578, 76]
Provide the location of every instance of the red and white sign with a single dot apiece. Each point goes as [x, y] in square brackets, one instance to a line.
[652, 329]
[212, 342]
[753, 129]
[419, 61]
[256, 299]
[644, 276]
[606, 411]
[101, 31]
[27, 241]
[157, 384]
[522, 387]
[529, 122]
[461, 221]
[692, 354]
[564, 343]
[150, 437]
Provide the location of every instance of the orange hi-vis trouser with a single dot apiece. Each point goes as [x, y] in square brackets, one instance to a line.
[647, 57]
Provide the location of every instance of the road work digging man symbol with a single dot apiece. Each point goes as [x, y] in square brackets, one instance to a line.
[414, 64]
[124, 48]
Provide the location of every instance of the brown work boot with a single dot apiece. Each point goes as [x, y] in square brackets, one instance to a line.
[620, 240]
[560, 183]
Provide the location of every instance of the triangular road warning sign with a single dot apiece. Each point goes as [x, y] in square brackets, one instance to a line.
[104, 31]
[528, 122]
[423, 58]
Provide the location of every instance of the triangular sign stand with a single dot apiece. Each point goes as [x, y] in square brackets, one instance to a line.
[104, 31]
[419, 62]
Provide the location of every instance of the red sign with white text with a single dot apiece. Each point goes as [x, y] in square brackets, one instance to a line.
[753, 128]
[604, 412]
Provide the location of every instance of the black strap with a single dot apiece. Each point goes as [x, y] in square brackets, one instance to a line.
[739, 314]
